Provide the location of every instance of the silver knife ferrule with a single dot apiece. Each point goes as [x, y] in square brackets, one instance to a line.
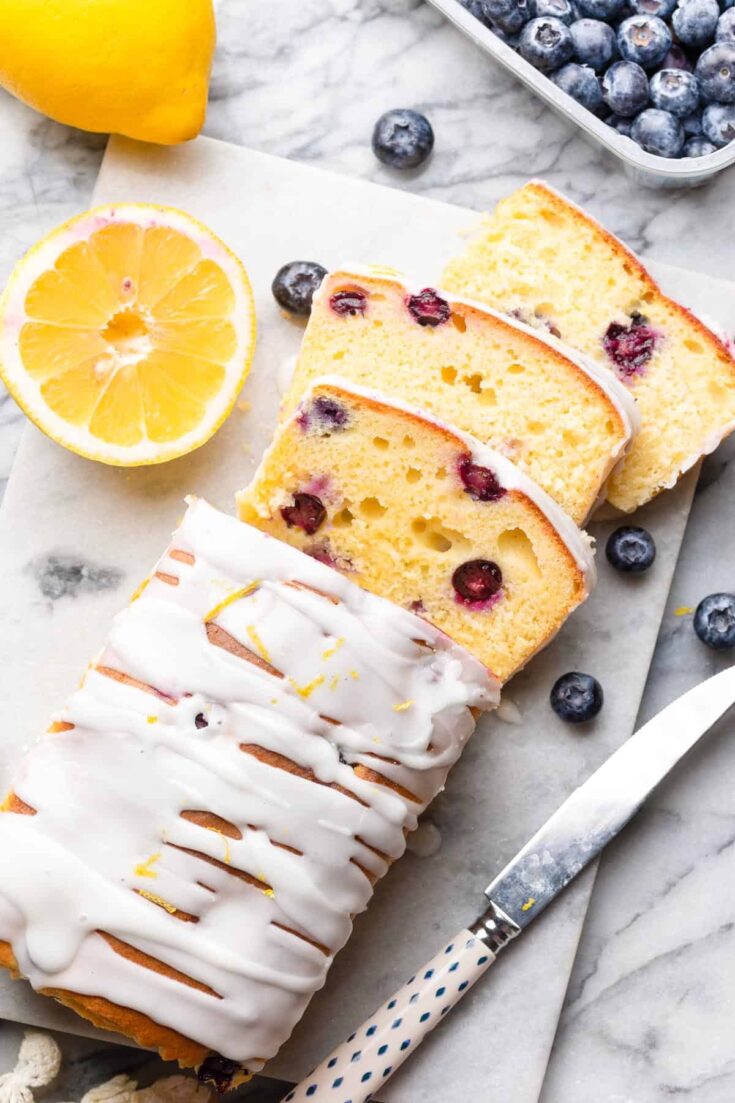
[494, 928]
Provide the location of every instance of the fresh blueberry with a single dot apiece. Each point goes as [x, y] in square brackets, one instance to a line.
[617, 122]
[695, 21]
[644, 39]
[726, 27]
[698, 147]
[507, 15]
[561, 9]
[594, 43]
[349, 303]
[630, 549]
[576, 697]
[428, 308]
[676, 91]
[323, 416]
[476, 8]
[477, 580]
[718, 123]
[716, 73]
[677, 59]
[693, 125]
[479, 482]
[511, 40]
[658, 132]
[402, 138]
[218, 1072]
[479, 8]
[546, 43]
[294, 285]
[608, 10]
[714, 621]
[625, 88]
[661, 8]
[630, 347]
[307, 512]
[581, 83]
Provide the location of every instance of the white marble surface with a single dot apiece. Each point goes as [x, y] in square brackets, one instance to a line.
[648, 1013]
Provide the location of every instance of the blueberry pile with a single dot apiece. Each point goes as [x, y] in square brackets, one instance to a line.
[662, 72]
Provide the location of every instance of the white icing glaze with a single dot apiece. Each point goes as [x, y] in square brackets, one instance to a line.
[615, 391]
[510, 477]
[110, 792]
[508, 711]
[426, 840]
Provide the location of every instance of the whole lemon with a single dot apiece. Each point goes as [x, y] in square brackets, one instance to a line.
[133, 67]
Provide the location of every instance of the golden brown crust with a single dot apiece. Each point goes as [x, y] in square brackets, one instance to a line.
[110, 1016]
[219, 638]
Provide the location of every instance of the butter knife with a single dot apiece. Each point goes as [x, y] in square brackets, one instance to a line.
[568, 841]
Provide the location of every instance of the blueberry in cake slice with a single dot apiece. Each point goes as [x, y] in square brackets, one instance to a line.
[182, 854]
[424, 515]
[561, 419]
[541, 255]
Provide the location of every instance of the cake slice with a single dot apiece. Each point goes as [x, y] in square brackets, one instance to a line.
[182, 855]
[424, 515]
[561, 419]
[542, 258]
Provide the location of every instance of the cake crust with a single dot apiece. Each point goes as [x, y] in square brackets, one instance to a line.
[540, 246]
[521, 533]
[557, 415]
[186, 800]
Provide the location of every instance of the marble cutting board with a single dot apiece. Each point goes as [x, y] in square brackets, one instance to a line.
[76, 538]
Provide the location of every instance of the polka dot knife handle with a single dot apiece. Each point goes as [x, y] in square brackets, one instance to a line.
[359, 1068]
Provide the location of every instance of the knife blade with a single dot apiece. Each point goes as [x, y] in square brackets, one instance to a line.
[574, 835]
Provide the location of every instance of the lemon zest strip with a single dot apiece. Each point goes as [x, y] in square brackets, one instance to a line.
[334, 649]
[234, 596]
[144, 869]
[158, 900]
[308, 689]
[259, 645]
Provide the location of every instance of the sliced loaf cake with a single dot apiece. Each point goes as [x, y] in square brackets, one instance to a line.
[561, 419]
[425, 515]
[541, 257]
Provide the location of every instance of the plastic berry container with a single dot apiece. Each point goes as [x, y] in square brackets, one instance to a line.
[645, 168]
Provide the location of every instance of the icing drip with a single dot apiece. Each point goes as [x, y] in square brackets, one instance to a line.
[238, 767]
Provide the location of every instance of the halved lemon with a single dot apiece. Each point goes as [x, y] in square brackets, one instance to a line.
[127, 334]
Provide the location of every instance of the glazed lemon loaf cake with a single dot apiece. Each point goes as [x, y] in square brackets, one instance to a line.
[424, 515]
[542, 256]
[561, 419]
[182, 854]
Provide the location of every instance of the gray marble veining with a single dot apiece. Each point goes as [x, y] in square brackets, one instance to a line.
[649, 1012]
